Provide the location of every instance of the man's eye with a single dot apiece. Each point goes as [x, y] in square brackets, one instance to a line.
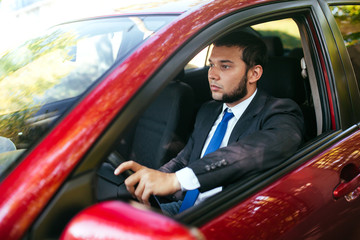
[211, 65]
[225, 66]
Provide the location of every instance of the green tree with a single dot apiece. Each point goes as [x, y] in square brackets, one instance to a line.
[348, 20]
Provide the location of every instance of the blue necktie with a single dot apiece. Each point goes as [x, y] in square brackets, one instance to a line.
[215, 142]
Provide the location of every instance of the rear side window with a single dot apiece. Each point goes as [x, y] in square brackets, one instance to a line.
[348, 19]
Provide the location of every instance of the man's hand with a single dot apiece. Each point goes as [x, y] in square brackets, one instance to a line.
[146, 181]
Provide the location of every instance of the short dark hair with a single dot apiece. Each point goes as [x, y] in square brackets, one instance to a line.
[254, 49]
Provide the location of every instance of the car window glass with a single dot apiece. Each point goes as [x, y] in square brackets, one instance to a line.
[46, 75]
[348, 19]
[199, 60]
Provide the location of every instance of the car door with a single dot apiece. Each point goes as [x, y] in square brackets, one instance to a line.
[313, 195]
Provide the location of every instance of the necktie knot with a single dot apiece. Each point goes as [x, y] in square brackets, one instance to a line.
[227, 116]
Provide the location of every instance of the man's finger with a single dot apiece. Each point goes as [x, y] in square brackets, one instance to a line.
[139, 191]
[145, 196]
[126, 166]
[131, 182]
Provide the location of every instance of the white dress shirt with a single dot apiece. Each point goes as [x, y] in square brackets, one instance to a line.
[186, 176]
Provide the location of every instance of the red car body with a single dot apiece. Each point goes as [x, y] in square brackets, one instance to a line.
[304, 201]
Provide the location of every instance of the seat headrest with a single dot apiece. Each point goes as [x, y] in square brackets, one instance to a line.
[180, 75]
[296, 53]
[274, 46]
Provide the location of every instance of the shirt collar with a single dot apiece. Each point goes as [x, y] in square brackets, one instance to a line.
[240, 108]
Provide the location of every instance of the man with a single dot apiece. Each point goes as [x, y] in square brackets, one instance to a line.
[260, 131]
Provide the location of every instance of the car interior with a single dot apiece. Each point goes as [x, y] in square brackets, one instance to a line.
[165, 125]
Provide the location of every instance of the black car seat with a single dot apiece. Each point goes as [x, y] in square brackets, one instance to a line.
[156, 137]
[274, 46]
[198, 80]
[163, 129]
[282, 78]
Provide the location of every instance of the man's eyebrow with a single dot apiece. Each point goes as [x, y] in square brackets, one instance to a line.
[223, 61]
[226, 61]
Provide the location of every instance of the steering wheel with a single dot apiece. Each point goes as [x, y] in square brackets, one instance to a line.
[115, 159]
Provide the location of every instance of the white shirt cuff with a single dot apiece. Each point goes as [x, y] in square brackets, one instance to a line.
[187, 179]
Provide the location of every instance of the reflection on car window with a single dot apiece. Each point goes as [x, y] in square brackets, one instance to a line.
[43, 77]
[348, 19]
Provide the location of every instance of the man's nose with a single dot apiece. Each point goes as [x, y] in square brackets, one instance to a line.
[213, 74]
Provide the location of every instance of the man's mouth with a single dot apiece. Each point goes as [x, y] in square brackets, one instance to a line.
[214, 87]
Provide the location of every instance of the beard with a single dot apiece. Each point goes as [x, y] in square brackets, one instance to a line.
[237, 93]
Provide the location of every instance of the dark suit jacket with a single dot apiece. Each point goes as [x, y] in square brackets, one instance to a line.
[269, 131]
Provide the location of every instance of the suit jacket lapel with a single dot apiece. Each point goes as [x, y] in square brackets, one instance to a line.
[245, 120]
[206, 126]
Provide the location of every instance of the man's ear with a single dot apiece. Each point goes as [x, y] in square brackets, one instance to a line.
[255, 73]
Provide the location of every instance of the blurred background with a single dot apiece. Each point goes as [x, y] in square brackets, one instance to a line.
[22, 19]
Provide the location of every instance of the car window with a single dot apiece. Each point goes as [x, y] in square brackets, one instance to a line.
[199, 61]
[348, 19]
[45, 76]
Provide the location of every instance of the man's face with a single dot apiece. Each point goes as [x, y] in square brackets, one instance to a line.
[227, 75]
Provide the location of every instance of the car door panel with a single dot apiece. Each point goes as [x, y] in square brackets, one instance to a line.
[300, 205]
